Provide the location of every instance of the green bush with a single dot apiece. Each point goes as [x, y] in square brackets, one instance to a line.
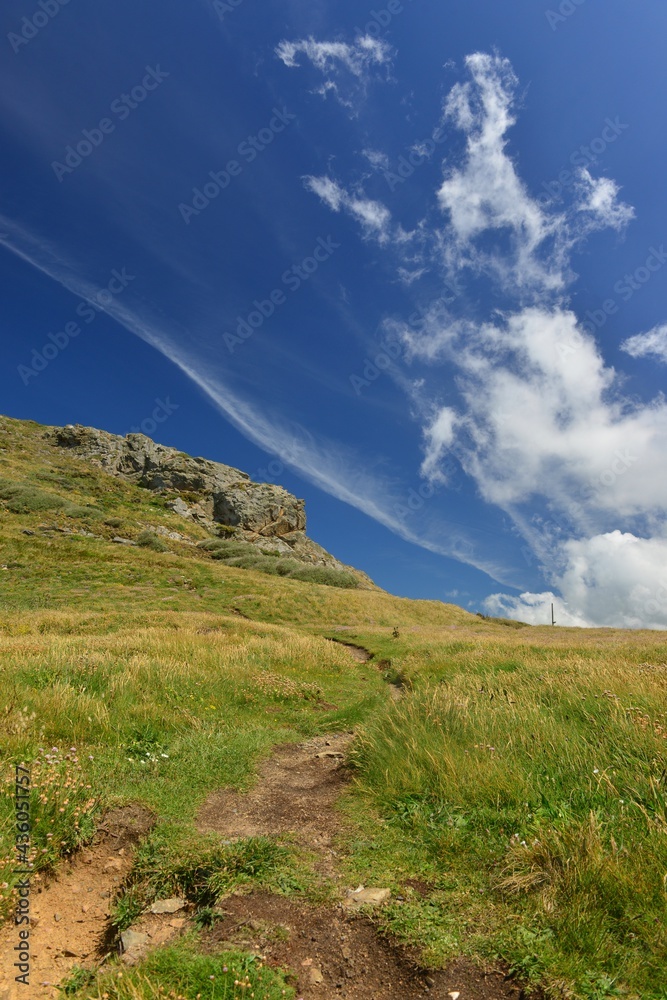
[244, 555]
[22, 498]
[149, 540]
[325, 575]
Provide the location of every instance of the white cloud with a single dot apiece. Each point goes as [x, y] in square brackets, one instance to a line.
[439, 436]
[338, 61]
[377, 159]
[485, 195]
[598, 196]
[614, 579]
[540, 423]
[651, 344]
[373, 217]
[535, 609]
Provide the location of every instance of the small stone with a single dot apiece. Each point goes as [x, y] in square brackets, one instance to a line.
[57, 917]
[113, 865]
[132, 940]
[122, 541]
[367, 897]
[70, 953]
[27, 531]
[172, 905]
[454, 995]
[178, 922]
[315, 976]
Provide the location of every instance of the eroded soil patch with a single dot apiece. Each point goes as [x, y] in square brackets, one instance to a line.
[296, 794]
[70, 913]
[334, 954]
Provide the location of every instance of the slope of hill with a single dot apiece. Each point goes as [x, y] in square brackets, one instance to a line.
[503, 786]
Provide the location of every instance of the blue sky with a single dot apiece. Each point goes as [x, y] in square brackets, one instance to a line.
[405, 259]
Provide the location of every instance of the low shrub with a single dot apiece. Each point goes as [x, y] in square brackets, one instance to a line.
[149, 540]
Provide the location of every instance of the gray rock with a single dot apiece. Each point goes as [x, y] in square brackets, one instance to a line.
[210, 493]
[133, 940]
[172, 905]
[122, 541]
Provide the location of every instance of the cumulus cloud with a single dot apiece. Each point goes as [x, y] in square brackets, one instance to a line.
[651, 344]
[347, 68]
[613, 579]
[539, 421]
[535, 609]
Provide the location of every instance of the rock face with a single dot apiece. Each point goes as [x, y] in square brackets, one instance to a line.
[203, 491]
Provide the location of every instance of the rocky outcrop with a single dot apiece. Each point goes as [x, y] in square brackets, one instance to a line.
[207, 492]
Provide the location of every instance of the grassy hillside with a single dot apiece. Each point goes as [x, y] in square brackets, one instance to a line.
[519, 780]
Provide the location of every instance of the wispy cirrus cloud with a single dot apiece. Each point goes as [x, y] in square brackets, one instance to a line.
[329, 465]
[373, 217]
[347, 67]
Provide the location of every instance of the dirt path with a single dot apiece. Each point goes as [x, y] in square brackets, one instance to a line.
[296, 792]
[70, 914]
[363, 655]
[332, 951]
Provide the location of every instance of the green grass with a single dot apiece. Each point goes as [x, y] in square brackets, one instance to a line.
[521, 778]
[183, 973]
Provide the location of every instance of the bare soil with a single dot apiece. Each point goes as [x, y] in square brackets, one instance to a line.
[335, 954]
[69, 915]
[296, 793]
